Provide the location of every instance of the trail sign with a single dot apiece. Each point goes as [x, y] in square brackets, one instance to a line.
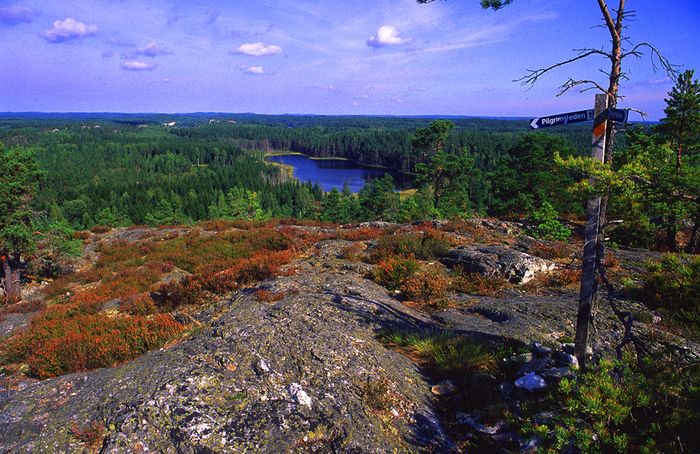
[562, 119]
[618, 115]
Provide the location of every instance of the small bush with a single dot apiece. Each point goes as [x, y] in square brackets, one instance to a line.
[354, 252]
[615, 408]
[23, 307]
[426, 286]
[100, 229]
[141, 304]
[360, 233]
[428, 245]
[266, 296]
[57, 345]
[392, 272]
[672, 286]
[91, 434]
[547, 225]
[478, 284]
[81, 235]
[555, 250]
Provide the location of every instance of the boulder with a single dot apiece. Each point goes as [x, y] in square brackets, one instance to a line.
[497, 261]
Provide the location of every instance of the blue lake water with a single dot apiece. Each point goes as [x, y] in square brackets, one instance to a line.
[334, 173]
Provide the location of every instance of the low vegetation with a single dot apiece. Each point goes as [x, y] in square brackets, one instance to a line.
[119, 308]
[618, 408]
[672, 286]
[443, 353]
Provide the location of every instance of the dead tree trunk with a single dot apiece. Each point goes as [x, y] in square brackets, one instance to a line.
[11, 280]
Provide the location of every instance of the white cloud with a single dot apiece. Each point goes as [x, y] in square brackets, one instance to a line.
[15, 14]
[258, 49]
[254, 70]
[152, 50]
[135, 65]
[67, 29]
[387, 35]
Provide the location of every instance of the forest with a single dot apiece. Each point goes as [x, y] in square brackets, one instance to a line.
[124, 169]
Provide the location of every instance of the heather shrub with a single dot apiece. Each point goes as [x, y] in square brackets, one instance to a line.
[354, 252]
[394, 271]
[266, 296]
[100, 229]
[428, 245]
[140, 304]
[360, 233]
[554, 250]
[478, 284]
[428, 285]
[55, 346]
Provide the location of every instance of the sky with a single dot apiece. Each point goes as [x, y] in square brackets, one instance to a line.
[370, 57]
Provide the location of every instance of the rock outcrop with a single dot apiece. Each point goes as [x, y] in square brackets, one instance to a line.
[500, 261]
[292, 375]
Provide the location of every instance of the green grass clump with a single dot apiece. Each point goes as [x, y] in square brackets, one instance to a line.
[445, 353]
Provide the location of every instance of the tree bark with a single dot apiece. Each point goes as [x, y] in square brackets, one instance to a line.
[11, 281]
[692, 246]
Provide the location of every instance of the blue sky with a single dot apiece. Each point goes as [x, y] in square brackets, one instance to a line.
[323, 57]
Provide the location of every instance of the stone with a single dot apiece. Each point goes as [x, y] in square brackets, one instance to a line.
[568, 348]
[497, 261]
[444, 388]
[556, 373]
[539, 349]
[535, 365]
[566, 359]
[531, 382]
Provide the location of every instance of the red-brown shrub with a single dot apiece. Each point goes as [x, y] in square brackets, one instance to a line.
[266, 296]
[101, 229]
[141, 304]
[392, 272]
[360, 233]
[57, 346]
[426, 286]
[82, 235]
[353, 252]
[478, 284]
[91, 434]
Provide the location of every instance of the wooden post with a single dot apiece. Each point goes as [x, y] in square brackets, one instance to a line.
[589, 283]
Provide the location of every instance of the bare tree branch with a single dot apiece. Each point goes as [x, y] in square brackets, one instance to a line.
[571, 83]
[670, 69]
[534, 74]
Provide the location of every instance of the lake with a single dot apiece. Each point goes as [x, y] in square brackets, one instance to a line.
[334, 173]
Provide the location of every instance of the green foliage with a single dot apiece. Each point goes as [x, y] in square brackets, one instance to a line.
[681, 126]
[546, 224]
[613, 407]
[19, 179]
[672, 286]
[61, 240]
[529, 176]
